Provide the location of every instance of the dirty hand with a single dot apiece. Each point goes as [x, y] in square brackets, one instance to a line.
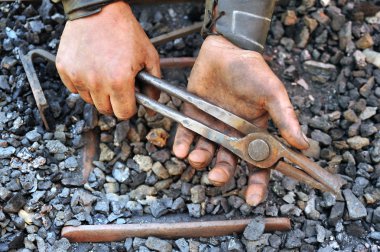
[241, 82]
[100, 55]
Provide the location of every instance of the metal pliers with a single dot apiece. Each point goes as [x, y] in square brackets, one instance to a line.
[258, 147]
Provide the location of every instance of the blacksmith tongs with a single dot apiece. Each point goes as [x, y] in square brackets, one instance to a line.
[258, 147]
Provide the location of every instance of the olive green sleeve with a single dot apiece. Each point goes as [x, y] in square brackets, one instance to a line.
[75, 9]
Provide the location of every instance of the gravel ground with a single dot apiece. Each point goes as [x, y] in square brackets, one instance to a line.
[324, 51]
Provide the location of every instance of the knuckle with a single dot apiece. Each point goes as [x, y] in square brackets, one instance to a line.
[94, 86]
[123, 115]
[105, 111]
[60, 65]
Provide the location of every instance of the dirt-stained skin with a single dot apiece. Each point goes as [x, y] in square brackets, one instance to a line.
[241, 82]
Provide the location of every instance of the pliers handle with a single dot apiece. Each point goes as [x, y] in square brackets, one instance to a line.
[258, 147]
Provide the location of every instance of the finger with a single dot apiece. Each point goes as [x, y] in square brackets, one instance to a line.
[182, 141]
[283, 115]
[67, 82]
[153, 68]
[86, 96]
[257, 190]
[122, 98]
[102, 102]
[202, 155]
[224, 168]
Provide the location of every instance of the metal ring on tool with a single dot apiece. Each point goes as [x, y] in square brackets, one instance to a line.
[258, 150]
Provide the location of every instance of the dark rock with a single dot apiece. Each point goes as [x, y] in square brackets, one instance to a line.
[374, 235]
[158, 208]
[8, 62]
[194, 210]
[33, 136]
[55, 146]
[135, 208]
[120, 172]
[254, 229]
[275, 241]
[356, 229]
[182, 245]
[320, 72]
[102, 206]
[161, 156]
[90, 115]
[294, 239]
[4, 85]
[320, 123]
[356, 209]
[345, 36]
[376, 215]
[45, 9]
[329, 200]
[15, 203]
[178, 204]
[198, 194]
[175, 167]
[12, 240]
[121, 131]
[71, 163]
[128, 244]
[234, 245]
[321, 137]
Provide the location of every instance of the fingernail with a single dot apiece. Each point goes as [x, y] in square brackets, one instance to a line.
[253, 200]
[305, 138]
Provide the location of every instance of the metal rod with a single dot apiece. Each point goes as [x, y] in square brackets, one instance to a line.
[299, 175]
[42, 104]
[115, 232]
[181, 62]
[223, 115]
[162, 39]
[89, 152]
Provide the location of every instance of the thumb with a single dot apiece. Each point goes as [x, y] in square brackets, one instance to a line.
[282, 113]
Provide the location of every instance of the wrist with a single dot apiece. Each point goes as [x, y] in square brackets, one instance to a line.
[244, 23]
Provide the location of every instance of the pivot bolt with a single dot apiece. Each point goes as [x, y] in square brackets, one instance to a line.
[258, 150]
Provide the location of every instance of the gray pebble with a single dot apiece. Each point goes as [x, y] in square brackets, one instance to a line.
[158, 244]
[55, 146]
[194, 210]
[33, 136]
[355, 207]
[254, 229]
[7, 152]
[182, 245]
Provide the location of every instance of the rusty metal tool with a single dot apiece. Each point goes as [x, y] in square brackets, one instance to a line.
[42, 104]
[258, 147]
[167, 229]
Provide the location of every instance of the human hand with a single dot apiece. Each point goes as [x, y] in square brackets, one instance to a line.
[100, 55]
[241, 82]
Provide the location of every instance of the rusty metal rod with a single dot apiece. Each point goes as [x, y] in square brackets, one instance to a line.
[162, 39]
[89, 152]
[115, 232]
[177, 62]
